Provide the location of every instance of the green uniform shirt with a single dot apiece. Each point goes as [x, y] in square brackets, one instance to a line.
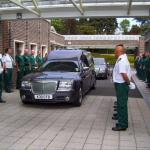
[32, 61]
[39, 60]
[147, 63]
[20, 61]
[26, 60]
[27, 65]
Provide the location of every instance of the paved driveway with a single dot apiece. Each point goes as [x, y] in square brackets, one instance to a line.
[63, 127]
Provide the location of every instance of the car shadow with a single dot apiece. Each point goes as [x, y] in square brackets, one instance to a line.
[48, 105]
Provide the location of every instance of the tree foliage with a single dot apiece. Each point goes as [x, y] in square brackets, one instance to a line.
[145, 24]
[59, 25]
[124, 25]
[135, 30]
[86, 26]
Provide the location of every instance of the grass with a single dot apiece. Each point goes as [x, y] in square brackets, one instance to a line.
[111, 58]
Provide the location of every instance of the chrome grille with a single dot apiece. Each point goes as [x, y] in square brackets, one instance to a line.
[44, 87]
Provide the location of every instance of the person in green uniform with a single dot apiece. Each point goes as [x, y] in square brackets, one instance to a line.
[45, 57]
[148, 70]
[8, 69]
[32, 60]
[20, 68]
[39, 59]
[142, 68]
[27, 65]
[1, 79]
[146, 67]
[137, 66]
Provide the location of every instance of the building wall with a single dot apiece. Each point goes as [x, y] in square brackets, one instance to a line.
[1, 45]
[101, 43]
[141, 45]
[30, 31]
[4, 35]
[56, 40]
[147, 41]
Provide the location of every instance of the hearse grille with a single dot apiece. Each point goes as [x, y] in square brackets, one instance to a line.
[44, 87]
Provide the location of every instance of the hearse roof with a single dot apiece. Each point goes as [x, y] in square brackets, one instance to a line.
[66, 54]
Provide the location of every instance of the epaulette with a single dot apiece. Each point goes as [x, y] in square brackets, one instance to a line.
[119, 60]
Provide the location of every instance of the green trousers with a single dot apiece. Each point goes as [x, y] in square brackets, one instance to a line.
[20, 75]
[8, 79]
[32, 69]
[143, 75]
[26, 70]
[122, 90]
[148, 78]
[1, 85]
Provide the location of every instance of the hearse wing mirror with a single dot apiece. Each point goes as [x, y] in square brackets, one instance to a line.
[85, 68]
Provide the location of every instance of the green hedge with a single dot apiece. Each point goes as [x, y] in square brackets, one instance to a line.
[111, 58]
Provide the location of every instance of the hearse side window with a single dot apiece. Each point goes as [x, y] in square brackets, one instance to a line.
[84, 61]
[61, 66]
[90, 60]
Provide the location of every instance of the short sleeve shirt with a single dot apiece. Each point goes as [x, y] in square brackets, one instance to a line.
[8, 60]
[39, 60]
[19, 61]
[122, 66]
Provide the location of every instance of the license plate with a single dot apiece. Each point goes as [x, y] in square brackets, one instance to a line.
[43, 96]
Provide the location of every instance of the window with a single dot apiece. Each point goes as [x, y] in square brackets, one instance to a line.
[61, 66]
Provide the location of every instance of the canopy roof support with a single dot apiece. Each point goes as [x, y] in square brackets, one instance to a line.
[35, 5]
[17, 2]
[47, 9]
[129, 7]
[77, 7]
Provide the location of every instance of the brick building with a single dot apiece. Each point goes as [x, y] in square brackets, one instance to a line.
[147, 41]
[31, 34]
[135, 42]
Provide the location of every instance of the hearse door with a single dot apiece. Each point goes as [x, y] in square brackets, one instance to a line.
[85, 77]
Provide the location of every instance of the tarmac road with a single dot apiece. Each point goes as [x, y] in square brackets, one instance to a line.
[106, 88]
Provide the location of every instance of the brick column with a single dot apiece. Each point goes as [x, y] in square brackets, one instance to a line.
[5, 34]
[1, 45]
[141, 45]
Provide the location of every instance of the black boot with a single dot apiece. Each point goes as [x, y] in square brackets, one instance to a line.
[2, 101]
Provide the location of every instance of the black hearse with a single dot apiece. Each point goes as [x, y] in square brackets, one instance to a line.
[65, 77]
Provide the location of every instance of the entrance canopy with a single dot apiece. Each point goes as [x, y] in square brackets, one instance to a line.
[26, 9]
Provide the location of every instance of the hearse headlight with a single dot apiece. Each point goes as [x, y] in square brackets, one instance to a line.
[65, 85]
[26, 84]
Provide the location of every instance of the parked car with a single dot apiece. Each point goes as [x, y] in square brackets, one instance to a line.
[101, 68]
[65, 77]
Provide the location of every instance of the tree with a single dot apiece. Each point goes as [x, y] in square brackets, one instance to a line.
[125, 24]
[142, 20]
[104, 25]
[59, 25]
[86, 26]
[70, 26]
[145, 24]
[100, 25]
[135, 30]
[86, 29]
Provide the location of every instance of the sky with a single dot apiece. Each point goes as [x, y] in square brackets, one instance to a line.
[132, 22]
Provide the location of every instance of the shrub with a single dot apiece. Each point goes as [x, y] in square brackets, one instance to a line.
[111, 58]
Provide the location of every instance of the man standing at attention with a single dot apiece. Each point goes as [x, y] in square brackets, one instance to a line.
[39, 59]
[27, 65]
[32, 60]
[121, 79]
[1, 79]
[8, 69]
[20, 68]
